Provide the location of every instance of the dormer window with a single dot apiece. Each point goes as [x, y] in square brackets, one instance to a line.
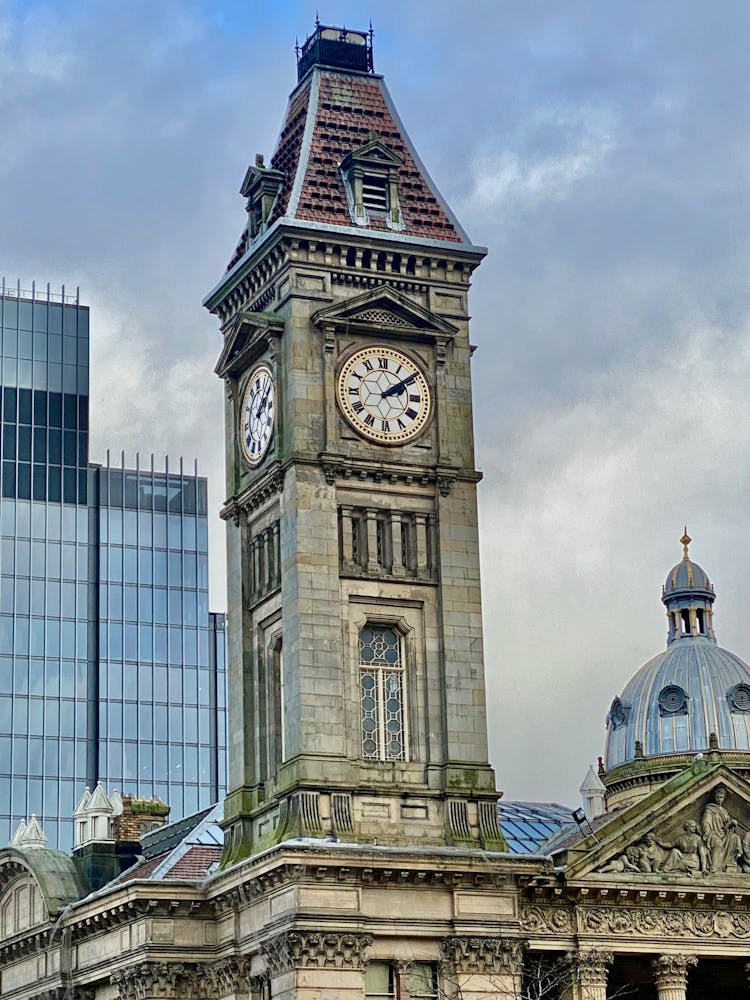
[371, 180]
[261, 187]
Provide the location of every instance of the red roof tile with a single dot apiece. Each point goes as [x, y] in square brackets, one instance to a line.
[196, 862]
[339, 115]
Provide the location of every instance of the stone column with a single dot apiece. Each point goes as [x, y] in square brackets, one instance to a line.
[670, 975]
[305, 965]
[479, 967]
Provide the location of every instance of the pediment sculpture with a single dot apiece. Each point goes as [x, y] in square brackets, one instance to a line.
[712, 843]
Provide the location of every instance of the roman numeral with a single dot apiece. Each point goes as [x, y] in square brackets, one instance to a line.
[357, 406]
[386, 425]
[368, 364]
[370, 420]
[354, 390]
[415, 397]
[383, 362]
[400, 423]
[411, 414]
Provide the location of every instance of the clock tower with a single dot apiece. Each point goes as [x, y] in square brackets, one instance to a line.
[356, 676]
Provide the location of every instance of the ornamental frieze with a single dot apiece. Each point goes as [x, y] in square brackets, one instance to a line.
[663, 922]
[537, 919]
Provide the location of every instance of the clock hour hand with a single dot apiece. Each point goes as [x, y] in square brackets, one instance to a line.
[398, 387]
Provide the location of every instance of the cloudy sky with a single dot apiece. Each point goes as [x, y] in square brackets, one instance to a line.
[600, 150]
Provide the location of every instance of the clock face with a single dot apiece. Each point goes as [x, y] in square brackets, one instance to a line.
[384, 395]
[257, 415]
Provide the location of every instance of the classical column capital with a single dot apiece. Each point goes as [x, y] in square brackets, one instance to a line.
[310, 949]
[671, 971]
[483, 954]
[591, 967]
[159, 980]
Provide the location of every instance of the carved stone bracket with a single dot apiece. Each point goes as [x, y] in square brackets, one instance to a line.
[671, 972]
[483, 954]
[445, 484]
[309, 949]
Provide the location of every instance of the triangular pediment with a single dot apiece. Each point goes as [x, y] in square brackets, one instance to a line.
[694, 828]
[384, 309]
[373, 153]
[246, 337]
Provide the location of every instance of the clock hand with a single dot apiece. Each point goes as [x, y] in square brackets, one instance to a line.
[262, 403]
[398, 387]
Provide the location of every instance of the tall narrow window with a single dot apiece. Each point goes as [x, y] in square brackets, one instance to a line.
[423, 983]
[381, 676]
[380, 981]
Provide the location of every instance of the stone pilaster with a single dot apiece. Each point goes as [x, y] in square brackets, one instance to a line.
[670, 975]
[482, 966]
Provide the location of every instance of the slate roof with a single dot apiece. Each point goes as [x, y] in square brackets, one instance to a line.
[529, 825]
[330, 114]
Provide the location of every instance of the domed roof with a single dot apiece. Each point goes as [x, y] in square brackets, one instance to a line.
[695, 689]
[677, 700]
[686, 575]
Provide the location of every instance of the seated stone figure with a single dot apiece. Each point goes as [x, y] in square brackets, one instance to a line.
[689, 853]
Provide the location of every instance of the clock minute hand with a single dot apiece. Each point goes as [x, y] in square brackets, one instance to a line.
[398, 387]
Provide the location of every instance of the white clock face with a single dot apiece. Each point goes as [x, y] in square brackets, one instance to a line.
[257, 415]
[384, 395]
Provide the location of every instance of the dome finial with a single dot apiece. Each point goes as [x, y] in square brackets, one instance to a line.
[686, 540]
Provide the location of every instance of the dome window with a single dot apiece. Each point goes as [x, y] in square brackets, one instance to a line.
[739, 698]
[672, 700]
[618, 713]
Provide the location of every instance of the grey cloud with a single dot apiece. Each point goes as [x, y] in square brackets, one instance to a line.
[599, 150]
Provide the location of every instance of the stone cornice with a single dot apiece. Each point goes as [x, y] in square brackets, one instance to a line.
[365, 866]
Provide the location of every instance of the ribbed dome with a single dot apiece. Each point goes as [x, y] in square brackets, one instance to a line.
[687, 575]
[678, 699]
[694, 689]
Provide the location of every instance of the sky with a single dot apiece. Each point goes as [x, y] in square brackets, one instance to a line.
[601, 151]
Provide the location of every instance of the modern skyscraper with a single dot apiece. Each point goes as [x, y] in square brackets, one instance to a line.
[107, 651]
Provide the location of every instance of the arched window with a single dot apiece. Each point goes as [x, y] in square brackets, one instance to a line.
[382, 693]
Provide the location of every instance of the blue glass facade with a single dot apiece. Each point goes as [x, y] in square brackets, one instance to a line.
[111, 667]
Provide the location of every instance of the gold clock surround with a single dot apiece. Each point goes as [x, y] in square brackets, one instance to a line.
[384, 394]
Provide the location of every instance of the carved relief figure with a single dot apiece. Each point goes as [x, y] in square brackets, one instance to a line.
[689, 853]
[714, 844]
[715, 827]
[627, 862]
[652, 856]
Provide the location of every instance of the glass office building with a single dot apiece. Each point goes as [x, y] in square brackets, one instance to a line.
[108, 654]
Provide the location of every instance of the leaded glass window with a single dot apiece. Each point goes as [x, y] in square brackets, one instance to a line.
[383, 710]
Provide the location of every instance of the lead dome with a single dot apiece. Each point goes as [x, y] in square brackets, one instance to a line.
[692, 698]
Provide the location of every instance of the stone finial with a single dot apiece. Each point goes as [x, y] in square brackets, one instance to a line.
[18, 833]
[32, 836]
[686, 540]
[592, 794]
[83, 802]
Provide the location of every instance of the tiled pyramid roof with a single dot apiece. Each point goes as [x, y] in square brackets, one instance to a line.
[329, 115]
